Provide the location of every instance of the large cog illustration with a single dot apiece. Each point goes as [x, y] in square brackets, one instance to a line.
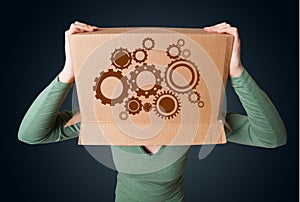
[140, 90]
[187, 65]
[166, 104]
[99, 80]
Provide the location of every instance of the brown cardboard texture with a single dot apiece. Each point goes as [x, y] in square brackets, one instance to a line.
[151, 86]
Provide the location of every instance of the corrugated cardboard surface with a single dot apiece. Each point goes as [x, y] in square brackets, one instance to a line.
[151, 86]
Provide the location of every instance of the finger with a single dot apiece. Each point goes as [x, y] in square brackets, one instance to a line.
[224, 25]
[79, 23]
[232, 31]
[96, 28]
[229, 30]
[75, 29]
[218, 26]
[90, 27]
[86, 28]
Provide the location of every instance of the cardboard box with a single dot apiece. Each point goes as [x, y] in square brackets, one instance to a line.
[151, 86]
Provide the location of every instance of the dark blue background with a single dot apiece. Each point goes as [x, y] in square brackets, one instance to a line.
[32, 54]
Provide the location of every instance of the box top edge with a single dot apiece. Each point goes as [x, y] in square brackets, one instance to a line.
[156, 30]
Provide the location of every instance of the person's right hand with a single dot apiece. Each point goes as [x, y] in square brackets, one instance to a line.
[67, 74]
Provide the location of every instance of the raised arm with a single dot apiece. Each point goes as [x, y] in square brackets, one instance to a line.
[43, 122]
[262, 126]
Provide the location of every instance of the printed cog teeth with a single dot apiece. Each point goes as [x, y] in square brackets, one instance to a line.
[188, 66]
[148, 43]
[194, 97]
[136, 55]
[133, 105]
[99, 94]
[173, 51]
[166, 105]
[140, 90]
[121, 58]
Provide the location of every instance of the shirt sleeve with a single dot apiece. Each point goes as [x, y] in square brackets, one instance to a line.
[43, 122]
[262, 126]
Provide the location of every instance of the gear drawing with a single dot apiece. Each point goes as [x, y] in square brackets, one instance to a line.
[147, 107]
[187, 65]
[200, 104]
[186, 53]
[123, 115]
[194, 97]
[173, 51]
[166, 104]
[121, 58]
[138, 89]
[133, 105]
[148, 43]
[180, 42]
[137, 55]
[99, 80]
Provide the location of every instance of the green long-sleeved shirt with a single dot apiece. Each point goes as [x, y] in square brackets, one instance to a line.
[263, 127]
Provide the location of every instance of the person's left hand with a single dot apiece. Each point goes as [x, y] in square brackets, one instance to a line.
[236, 67]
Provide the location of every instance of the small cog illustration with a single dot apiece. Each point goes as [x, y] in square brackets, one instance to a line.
[99, 80]
[147, 107]
[148, 43]
[200, 104]
[145, 68]
[180, 42]
[140, 55]
[121, 58]
[166, 105]
[194, 97]
[123, 115]
[173, 51]
[133, 105]
[186, 53]
[188, 66]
